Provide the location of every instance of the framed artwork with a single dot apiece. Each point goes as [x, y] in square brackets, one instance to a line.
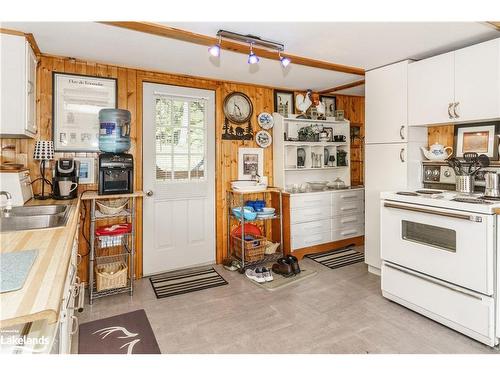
[87, 173]
[330, 103]
[482, 139]
[76, 102]
[284, 102]
[329, 131]
[250, 161]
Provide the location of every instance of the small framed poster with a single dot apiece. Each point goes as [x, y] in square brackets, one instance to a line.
[330, 103]
[284, 102]
[76, 102]
[480, 138]
[250, 162]
[87, 173]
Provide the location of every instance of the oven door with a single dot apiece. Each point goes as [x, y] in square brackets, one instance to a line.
[454, 246]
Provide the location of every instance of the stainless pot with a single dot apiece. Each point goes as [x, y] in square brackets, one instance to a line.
[491, 185]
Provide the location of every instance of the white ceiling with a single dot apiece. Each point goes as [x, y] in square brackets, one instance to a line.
[365, 45]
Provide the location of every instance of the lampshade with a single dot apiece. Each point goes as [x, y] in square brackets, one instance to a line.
[44, 150]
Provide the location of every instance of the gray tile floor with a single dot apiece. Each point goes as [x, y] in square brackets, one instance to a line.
[336, 311]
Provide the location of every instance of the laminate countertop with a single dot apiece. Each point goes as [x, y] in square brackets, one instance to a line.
[42, 293]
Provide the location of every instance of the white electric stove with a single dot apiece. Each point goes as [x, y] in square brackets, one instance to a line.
[439, 258]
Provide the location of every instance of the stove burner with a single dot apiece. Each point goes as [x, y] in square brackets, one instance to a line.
[471, 200]
[410, 193]
[430, 192]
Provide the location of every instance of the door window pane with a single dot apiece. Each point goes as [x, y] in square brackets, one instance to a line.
[438, 237]
[180, 139]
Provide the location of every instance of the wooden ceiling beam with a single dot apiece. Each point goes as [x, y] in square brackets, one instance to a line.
[205, 40]
[343, 87]
[495, 24]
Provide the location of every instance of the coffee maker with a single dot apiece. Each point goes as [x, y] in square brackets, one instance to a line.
[65, 179]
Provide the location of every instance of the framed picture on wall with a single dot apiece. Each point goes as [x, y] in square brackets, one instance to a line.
[76, 102]
[250, 162]
[330, 103]
[87, 173]
[480, 138]
[284, 102]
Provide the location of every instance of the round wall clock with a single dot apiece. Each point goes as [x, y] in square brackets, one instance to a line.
[238, 107]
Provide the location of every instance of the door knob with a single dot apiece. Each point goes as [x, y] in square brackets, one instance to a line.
[149, 193]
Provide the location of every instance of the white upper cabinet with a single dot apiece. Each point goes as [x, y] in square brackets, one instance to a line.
[459, 86]
[386, 104]
[477, 82]
[430, 90]
[17, 87]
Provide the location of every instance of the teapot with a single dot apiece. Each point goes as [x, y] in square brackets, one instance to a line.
[437, 152]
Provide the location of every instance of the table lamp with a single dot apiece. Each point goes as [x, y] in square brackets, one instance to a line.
[44, 150]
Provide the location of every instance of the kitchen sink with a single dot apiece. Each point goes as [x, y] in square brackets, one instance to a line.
[34, 217]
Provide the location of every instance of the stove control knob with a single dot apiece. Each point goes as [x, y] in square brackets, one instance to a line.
[435, 172]
[428, 173]
[447, 173]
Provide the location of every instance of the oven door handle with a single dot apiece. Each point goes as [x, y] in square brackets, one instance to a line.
[474, 218]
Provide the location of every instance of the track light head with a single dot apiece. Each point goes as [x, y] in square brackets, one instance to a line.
[214, 50]
[252, 57]
[285, 61]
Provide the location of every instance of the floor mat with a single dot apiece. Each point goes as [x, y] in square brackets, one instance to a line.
[338, 258]
[281, 281]
[186, 281]
[128, 333]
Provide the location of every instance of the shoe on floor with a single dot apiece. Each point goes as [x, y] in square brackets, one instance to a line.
[255, 275]
[267, 273]
[282, 267]
[294, 262]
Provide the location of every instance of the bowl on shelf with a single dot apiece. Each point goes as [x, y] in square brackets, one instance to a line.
[317, 185]
[247, 186]
[337, 184]
[248, 213]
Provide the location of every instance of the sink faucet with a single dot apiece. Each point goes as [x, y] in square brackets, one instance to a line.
[6, 209]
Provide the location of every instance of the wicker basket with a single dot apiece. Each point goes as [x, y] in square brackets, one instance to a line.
[112, 206]
[254, 248]
[111, 275]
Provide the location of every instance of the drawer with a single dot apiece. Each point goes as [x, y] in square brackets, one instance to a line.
[299, 242]
[348, 221]
[303, 215]
[348, 196]
[312, 200]
[313, 227]
[348, 232]
[343, 208]
[461, 309]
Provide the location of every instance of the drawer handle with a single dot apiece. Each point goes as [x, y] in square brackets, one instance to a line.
[348, 208]
[352, 220]
[348, 196]
[352, 231]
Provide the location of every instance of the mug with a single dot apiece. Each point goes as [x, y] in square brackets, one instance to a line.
[66, 187]
[339, 138]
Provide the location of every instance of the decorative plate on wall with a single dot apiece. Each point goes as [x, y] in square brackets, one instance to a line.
[265, 120]
[263, 138]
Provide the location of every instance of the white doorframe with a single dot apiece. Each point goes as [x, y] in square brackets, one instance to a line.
[179, 216]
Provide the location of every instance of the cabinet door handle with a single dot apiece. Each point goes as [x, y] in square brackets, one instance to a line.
[449, 111]
[348, 208]
[401, 132]
[401, 155]
[345, 221]
[348, 196]
[455, 109]
[74, 324]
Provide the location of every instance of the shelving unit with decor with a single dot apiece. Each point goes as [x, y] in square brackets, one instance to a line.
[296, 161]
[252, 252]
[111, 257]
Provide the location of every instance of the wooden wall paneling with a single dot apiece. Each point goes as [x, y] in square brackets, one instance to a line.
[441, 134]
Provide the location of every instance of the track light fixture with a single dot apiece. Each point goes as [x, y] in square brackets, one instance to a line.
[252, 57]
[251, 40]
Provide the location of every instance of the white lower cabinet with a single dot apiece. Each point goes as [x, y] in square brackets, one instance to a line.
[318, 218]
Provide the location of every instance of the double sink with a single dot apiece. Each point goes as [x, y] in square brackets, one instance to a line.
[34, 217]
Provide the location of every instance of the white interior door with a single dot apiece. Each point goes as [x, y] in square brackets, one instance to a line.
[179, 177]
